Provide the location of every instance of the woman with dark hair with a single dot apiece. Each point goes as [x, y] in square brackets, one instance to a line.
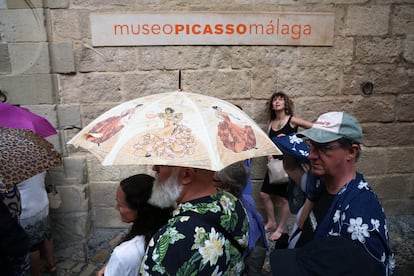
[280, 122]
[132, 199]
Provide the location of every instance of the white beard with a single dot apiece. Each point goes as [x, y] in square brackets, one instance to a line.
[165, 194]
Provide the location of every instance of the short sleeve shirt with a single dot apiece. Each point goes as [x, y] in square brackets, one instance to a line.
[190, 244]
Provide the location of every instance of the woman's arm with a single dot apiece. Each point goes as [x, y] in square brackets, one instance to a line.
[296, 121]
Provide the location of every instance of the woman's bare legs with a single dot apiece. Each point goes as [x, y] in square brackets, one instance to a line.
[49, 255]
[35, 263]
[270, 212]
[284, 216]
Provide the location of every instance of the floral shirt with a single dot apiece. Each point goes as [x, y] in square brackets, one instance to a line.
[356, 213]
[190, 244]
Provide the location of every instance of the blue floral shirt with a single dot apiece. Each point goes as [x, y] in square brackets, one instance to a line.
[356, 213]
[190, 244]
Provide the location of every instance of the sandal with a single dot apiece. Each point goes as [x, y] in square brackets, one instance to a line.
[51, 269]
[275, 235]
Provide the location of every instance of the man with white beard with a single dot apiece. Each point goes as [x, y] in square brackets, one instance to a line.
[208, 233]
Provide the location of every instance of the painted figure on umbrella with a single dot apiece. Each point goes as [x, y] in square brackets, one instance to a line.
[172, 141]
[109, 127]
[234, 136]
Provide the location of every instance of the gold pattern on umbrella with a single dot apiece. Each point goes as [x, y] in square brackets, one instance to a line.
[24, 154]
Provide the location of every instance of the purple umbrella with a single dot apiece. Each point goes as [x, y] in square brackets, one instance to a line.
[18, 117]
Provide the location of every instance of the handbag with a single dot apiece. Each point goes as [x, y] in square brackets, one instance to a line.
[276, 172]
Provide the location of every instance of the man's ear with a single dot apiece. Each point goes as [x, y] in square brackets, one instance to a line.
[353, 152]
[186, 175]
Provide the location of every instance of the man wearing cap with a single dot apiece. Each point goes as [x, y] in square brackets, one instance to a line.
[208, 233]
[347, 212]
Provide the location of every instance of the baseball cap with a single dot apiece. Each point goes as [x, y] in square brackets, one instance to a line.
[332, 126]
[333, 255]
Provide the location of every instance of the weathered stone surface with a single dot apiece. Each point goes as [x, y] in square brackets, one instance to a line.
[21, 4]
[143, 83]
[69, 24]
[71, 226]
[263, 57]
[74, 198]
[402, 20]
[106, 59]
[405, 110]
[62, 59]
[29, 89]
[57, 4]
[225, 84]
[388, 135]
[22, 25]
[370, 20]
[103, 194]
[378, 50]
[183, 58]
[30, 58]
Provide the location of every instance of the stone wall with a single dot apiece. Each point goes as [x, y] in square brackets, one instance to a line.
[48, 65]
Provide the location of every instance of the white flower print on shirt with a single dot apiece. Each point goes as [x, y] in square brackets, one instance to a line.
[358, 229]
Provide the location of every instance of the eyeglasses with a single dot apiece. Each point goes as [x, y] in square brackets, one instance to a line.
[324, 148]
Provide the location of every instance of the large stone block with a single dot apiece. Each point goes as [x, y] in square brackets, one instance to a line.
[103, 194]
[262, 56]
[143, 83]
[71, 226]
[29, 89]
[22, 25]
[340, 54]
[185, 57]
[402, 20]
[69, 24]
[400, 159]
[75, 168]
[22, 4]
[388, 135]
[30, 58]
[69, 115]
[57, 4]
[264, 82]
[386, 78]
[224, 84]
[391, 187]
[99, 173]
[106, 4]
[98, 87]
[372, 161]
[405, 110]
[106, 59]
[372, 50]
[61, 55]
[74, 198]
[367, 20]
[320, 81]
